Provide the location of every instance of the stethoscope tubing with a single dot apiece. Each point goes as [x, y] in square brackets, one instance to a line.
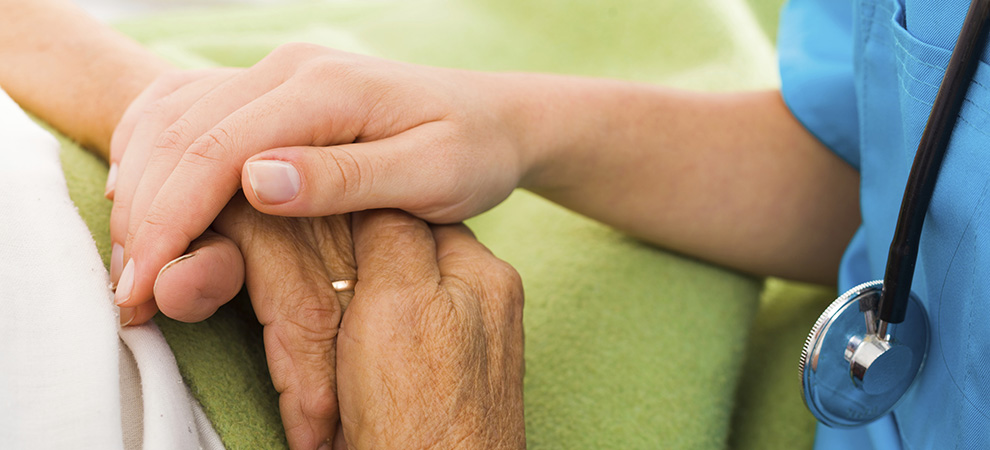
[928, 160]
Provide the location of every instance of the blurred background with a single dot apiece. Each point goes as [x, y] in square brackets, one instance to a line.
[112, 10]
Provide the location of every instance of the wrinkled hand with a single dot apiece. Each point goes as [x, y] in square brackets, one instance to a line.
[322, 132]
[430, 350]
[290, 265]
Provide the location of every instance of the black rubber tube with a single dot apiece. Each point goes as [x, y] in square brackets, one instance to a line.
[927, 161]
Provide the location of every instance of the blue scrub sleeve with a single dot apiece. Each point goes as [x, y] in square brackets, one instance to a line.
[815, 46]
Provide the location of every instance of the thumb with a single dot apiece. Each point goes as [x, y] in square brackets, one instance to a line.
[412, 171]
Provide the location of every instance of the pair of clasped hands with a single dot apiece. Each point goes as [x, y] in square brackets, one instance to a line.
[426, 351]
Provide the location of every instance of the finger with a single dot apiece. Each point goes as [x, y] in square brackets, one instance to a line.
[393, 250]
[208, 175]
[122, 132]
[159, 106]
[339, 441]
[294, 300]
[155, 146]
[410, 171]
[178, 125]
[159, 88]
[133, 163]
[138, 314]
[192, 287]
[189, 121]
[459, 251]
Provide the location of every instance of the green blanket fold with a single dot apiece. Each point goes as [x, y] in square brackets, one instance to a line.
[627, 346]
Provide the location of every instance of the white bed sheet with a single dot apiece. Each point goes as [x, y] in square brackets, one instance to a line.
[69, 376]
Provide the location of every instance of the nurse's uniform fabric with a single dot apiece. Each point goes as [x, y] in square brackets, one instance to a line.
[862, 76]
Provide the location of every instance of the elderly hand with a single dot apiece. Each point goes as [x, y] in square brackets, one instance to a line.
[290, 265]
[429, 353]
[430, 350]
[427, 140]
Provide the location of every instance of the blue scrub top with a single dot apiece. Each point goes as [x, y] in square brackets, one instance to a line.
[862, 75]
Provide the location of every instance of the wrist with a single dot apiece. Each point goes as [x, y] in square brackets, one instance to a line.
[529, 108]
[71, 70]
[562, 124]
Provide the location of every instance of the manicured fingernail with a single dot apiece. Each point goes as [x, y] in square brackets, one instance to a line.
[274, 182]
[127, 315]
[167, 266]
[125, 284]
[111, 180]
[116, 263]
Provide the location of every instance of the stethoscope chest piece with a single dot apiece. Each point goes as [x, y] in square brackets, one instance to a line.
[866, 380]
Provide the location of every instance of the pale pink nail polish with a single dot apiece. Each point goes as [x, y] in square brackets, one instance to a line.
[111, 180]
[116, 263]
[125, 284]
[274, 182]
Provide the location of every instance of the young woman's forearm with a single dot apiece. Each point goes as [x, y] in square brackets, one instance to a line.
[71, 70]
[731, 178]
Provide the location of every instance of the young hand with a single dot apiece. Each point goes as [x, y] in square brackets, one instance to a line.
[317, 132]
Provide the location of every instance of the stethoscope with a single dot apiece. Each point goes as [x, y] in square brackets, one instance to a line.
[866, 349]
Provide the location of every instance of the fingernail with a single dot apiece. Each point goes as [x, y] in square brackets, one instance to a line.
[125, 284]
[324, 446]
[274, 182]
[127, 316]
[116, 263]
[111, 180]
[167, 266]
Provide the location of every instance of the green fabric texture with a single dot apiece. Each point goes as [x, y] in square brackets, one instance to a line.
[627, 346]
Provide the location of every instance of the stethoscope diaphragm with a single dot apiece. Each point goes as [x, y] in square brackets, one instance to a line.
[865, 382]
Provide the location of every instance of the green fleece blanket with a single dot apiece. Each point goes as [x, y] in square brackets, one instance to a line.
[627, 346]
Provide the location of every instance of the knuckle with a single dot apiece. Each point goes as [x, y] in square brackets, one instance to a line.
[302, 367]
[161, 107]
[171, 79]
[320, 401]
[292, 54]
[120, 213]
[345, 174]
[506, 288]
[310, 319]
[322, 69]
[165, 83]
[296, 48]
[173, 138]
[162, 225]
[507, 275]
[215, 150]
[316, 327]
[403, 232]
